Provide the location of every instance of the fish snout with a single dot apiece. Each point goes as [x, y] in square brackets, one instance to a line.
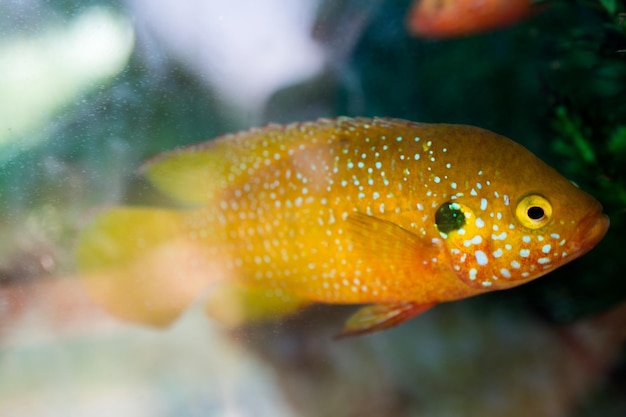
[590, 231]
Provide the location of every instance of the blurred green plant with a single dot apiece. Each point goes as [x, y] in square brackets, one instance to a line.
[589, 112]
[585, 82]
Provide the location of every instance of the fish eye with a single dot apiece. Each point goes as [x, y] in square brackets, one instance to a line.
[533, 211]
[449, 217]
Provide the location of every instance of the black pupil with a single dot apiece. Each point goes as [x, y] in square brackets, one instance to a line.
[449, 217]
[535, 213]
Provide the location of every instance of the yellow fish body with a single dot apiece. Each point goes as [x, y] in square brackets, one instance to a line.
[386, 212]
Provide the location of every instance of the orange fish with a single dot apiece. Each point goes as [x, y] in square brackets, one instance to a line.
[386, 212]
[454, 18]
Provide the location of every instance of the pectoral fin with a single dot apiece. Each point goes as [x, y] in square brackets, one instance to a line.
[377, 317]
[385, 241]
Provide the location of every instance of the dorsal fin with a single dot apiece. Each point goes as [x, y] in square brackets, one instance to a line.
[196, 174]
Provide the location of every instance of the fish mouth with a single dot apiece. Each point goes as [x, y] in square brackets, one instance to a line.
[591, 230]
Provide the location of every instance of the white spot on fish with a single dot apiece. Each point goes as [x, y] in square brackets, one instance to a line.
[543, 260]
[481, 258]
[505, 273]
[483, 204]
[524, 253]
[501, 236]
[472, 274]
[546, 248]
[516, 264]
[476, 240]
[480, 223]
[497, 253]
[526, 239]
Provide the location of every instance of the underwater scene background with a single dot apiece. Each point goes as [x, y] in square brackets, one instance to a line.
[89, 91]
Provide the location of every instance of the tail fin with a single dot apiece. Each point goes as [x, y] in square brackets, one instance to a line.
[141, 265]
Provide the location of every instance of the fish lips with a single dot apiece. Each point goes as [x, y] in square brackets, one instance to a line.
[590, 232]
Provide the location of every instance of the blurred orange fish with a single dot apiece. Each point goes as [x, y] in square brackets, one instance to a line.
[455, 18]
[395, 214]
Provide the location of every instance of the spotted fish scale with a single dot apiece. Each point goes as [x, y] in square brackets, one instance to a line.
[400, 214]
[325, 180]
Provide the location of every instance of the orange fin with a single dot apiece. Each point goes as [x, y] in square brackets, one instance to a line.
[197, 174]
[192, 175]
[140, 265]
[375, 317]
[384, 241]
[234, 304]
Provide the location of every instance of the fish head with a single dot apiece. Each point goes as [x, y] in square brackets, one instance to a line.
[523, 223]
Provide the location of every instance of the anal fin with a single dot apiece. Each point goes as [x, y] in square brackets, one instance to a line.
[235, 304]
[377, 317]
